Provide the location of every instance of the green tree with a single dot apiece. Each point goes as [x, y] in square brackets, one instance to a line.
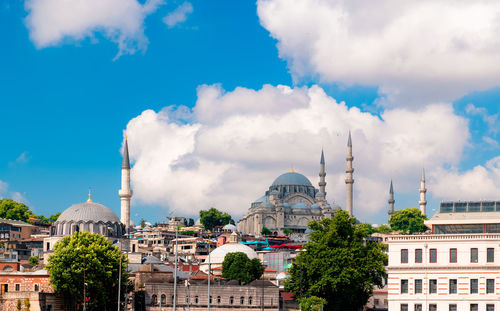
[265, 231]
[213, 217]
[53, 218]
[408, 220]
[312, 303]
[237, 266]
[338, 264]
[19, 305]
[287, 232]
[11, 209]
[143, 223]
[34, 260]
[383, 228]
[87, 258]
[27, 304]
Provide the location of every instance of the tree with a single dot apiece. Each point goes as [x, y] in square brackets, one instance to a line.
[408, 220]
[143, 223]
[237, 266]
[287, 232]
[11, 209]
[338, 264]
[213, 217]
[27, 304]
[34, 260]
[312, 303]
[188, 222]
[87, 258]
[19, 305]
[265, 231]
[53, 218]
[383, 228]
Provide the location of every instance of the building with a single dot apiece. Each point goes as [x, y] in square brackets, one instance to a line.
[15, 230]
[454, 267]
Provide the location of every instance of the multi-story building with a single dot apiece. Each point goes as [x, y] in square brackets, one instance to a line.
[15, 230]
[455, 267]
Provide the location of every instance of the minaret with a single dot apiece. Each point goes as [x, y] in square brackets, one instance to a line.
[349, 181]
[322, 174]
[125, 192]
[391, 200]
[423, 190]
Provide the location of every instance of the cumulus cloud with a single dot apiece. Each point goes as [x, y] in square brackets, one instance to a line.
[179, 15]
[51, 22]
[236, 143]
[415, 51]
[16, 196]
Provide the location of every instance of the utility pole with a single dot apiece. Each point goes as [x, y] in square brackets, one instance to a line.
[209, 273]
[175, 269]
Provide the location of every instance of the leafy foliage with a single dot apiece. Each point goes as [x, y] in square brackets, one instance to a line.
[87, 258]
[213, 217]
[19, 305]
[188, 222]
[408, 220]
[34, 260]
[383, 228]
[338, 264]
[11, 209]
[312, 303]
[27, 303]
[287, 232]
[265, 231]
[237, 266]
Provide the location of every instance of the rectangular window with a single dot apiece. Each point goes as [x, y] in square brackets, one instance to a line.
[418, 286]
[473, 286]
[452, 308]
[473, 307]
[490, 286]
[418, 255]
[418, 307]
[432, 286]
[404, 256]
[404, 286]
[432, 255]
[18, 287]
[473, 255]
[453, 286]
[433, 307]
[453, 255]
[490, 255]
[490, 307]
[404, 307]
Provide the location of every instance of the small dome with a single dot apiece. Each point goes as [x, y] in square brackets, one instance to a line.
[229, 227]
[217, 255]
[320, 194]
[292, 178]
[300, 205]
[88, 212]
[286, 205]
[315, 206]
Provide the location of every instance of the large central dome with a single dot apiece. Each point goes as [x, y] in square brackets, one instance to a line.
[88, 211]
[291, 178]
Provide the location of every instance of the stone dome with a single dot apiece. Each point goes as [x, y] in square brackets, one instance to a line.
[88, 211]
[292, 178]
[217, 255]
[300, 205]
[229, 227]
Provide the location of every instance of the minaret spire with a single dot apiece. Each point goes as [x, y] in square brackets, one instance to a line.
[391, 200]
[322, 174]
[349, 181]
[125, 192]
[423, 202]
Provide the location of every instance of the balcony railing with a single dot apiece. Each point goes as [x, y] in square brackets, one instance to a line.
[444, 237]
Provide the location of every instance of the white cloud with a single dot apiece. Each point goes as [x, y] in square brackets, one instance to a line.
[16, 196]
[491, 120]
[416, 51]
[179, 15]
[237, 143]
[51, 22]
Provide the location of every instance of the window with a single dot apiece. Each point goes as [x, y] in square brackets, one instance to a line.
[187, 299]
[490, 286]
[432, 255]
[163, 299]
[418, 307]
[250, 300]
[433, 307]
[490, 307]
[473, 307]
[452, 308]
[154, 299]
[404, 286]
[376, 302]
[432, 287]
[196, 299]
[242, 300]
[418, 286]
[453, 255]
[473, 287]
[418, 255]
[490, 255]
[404, 307]
[18, 287]
[231, 300]
[218, 299]
[210, 299]
[404, 256]
[453, 286]
[473, 255]
[37, 287]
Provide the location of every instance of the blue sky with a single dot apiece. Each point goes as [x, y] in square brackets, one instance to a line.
[67, 100]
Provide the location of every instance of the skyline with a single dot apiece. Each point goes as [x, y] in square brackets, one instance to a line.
[219, 99]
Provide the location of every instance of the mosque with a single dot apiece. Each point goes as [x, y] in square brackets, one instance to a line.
[291, 202]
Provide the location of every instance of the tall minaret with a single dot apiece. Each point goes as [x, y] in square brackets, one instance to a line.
[349, 180]
[423, 190]
[322, 174]
[125, 192]
[391, 200]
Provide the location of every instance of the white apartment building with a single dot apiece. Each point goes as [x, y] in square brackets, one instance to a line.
[456, 267]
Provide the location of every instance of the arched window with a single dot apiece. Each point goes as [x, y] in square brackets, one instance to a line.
[231, 300]
[37, 287]
[242, 300]
[250, 300]
[172, 299]
[196, 299]
[163, 299]
[154, 300]
[218, 299]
